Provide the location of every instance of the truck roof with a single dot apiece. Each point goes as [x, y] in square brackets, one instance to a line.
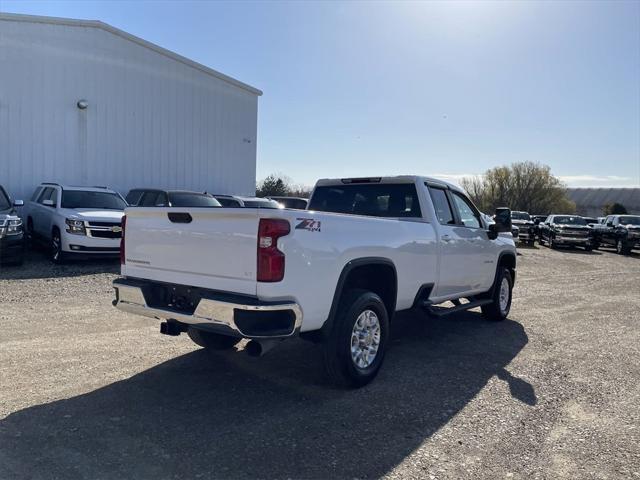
[391, 179]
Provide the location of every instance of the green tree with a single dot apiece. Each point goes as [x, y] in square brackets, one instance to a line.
[614, 209]
[274, 186]
[526, 186]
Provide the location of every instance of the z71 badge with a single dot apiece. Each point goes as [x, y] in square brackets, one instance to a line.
[308, 224]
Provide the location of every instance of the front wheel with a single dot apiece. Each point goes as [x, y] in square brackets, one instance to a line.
[212, 341]
[499, 308]
[55, 250]
[355, 348]
[622, 248]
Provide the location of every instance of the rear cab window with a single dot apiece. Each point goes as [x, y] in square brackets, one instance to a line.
[391, 200]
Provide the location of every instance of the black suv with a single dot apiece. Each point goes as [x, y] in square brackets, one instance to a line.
[153, 197]
[11, 231]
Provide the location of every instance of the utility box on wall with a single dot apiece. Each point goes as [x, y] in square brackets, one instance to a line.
[83, 103]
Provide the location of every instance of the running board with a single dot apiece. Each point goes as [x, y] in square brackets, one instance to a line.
[459, 307]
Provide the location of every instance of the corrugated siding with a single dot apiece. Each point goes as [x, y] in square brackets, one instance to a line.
[151, 120]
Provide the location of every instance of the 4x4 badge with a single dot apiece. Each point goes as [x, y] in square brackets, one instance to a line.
[308, 224]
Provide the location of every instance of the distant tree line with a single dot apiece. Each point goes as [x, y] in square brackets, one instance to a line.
[278, 185]
[526, 186]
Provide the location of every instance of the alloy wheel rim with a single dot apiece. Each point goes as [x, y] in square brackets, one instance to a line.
[365, 339]
[56, 248]
[504, 295]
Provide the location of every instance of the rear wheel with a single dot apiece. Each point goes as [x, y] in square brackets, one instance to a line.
[355, 348]
[212, 341]
[499, 308]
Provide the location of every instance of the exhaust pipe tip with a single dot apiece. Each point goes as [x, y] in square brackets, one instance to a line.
[254, 349]
[257, 348]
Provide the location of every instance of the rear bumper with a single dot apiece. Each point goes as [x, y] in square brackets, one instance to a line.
[228, 314]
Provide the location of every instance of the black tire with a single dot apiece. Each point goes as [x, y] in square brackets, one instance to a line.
[494, 310]
[541, 240]
[339, 361]
[622, 247]
[55, 248]
[212, 341]
[588, 248]
[552, 244]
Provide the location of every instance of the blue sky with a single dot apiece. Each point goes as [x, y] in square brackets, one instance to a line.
[432, 88]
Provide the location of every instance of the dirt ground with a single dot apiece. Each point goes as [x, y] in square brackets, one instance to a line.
[554, 392]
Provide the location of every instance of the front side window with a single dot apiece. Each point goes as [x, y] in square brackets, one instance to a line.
[133, 197]
[47, 194]
[467, 214]
[370, 199]
[88, 199]
[36, 193]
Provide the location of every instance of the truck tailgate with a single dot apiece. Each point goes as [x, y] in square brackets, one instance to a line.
[202, 247]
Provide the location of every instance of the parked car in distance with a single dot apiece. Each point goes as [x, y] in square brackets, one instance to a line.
[153, 197]
[619, 231]
[11, 230]
[372, 246]
[235, 201]
[566, 230]
[297, 203]
[75, 221]
[525, 225]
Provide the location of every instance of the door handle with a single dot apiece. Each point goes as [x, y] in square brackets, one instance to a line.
[446, 238]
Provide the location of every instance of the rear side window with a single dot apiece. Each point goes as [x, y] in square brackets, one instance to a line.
[375, 200]
[444, 213]
[153, 199]
[228, 202]
[192, 200]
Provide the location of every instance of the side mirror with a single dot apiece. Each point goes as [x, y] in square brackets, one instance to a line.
[503, 220]
[18, 203]
[609, 224]
[48, 203]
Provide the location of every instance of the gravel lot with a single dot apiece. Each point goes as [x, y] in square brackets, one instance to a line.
[89, 392]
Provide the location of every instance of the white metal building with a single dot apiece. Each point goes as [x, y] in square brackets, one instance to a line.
[152, 118]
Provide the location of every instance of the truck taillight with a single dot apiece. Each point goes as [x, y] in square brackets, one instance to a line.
[270, 259]
[122, 256]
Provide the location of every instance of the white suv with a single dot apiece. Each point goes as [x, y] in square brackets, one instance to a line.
[83, 221]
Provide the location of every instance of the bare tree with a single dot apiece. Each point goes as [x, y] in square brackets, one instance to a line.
[526, 186]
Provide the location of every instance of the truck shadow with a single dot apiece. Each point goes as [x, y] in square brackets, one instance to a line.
[231, 416]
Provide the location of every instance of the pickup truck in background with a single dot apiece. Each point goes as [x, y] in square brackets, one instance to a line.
[619, 231]
[566, 231]
[335, 273]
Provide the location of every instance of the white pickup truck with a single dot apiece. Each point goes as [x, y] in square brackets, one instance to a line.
[335, 273]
